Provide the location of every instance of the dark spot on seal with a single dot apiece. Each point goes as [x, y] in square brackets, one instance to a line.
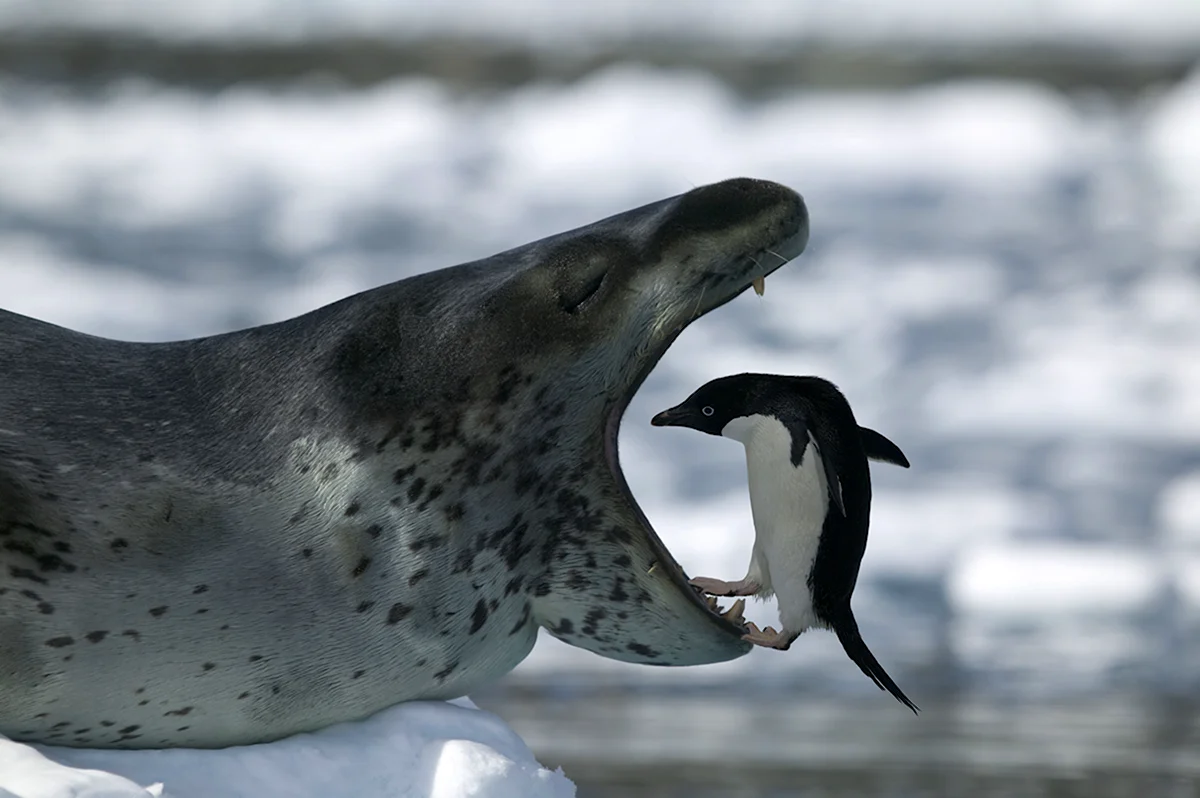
[96, 637]
[415, 489]
[374, 530]
[644, 650]
[61, 725]
[402, 474]
[208, 666]
[618, 593]
[83, 731]
[128, 729]
[353, 508]
[565, 627]
[446, 671]
[139, 691]
[198, 589]
[108, 724]
[521, 622]
[132, 633]
[577, 581]
[361, 568]
[454, 512]
[513, 586]
[306, 552]
[619, 534]
[255, 657]
[158, 611]
[62, 547]
[463, 562]
[25, 573]
[274, 689]
[243, 696]
[357, 674]
[178, 713]
[45, 608]
[398, 613]
[365, 605]
[60, 642]
[541, 589]
[183, 728]
[621, 561]
[425, 541]
[201, 611]
[478, 617]
[118, 544]
[593, 617]
[418, 575]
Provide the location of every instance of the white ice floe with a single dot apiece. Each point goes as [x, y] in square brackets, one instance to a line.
[418, 750]
[1040, 580]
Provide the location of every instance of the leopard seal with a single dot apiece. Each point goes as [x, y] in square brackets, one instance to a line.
[231, 539]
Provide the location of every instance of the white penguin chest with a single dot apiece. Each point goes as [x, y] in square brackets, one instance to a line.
[788, 504]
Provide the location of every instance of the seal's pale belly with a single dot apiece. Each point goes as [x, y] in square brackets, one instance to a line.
[222, 628]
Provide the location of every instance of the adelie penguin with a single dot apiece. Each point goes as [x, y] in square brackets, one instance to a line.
[810, 495]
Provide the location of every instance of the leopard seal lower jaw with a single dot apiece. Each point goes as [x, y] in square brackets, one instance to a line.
[231, 539]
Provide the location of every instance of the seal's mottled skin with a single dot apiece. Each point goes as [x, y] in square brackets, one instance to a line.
[231, 539]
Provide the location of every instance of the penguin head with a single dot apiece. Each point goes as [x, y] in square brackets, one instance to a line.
[725, 406]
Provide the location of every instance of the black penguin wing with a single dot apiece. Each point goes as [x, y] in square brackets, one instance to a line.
[880, 448]
[847, 631]
[831, 477]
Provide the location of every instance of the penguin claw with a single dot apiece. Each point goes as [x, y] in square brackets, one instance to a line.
[768, 638]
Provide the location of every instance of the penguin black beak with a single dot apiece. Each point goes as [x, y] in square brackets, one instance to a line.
[674, 417]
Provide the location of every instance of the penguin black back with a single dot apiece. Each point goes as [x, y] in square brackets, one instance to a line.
[843, 446]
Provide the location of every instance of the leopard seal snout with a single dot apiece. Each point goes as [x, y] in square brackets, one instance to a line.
[230, 539]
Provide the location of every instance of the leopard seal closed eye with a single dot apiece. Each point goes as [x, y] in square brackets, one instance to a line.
[231, 539]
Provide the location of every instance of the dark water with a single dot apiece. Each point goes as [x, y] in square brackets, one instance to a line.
[703, 748]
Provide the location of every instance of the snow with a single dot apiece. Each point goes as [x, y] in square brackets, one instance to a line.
[417, 750]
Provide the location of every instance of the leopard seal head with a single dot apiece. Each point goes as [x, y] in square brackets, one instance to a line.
[235, 538]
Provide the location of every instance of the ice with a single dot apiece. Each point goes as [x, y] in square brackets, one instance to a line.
[1035, 580]
[416, 750]
[1179, 511]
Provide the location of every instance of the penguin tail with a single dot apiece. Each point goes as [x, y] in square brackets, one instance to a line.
[847, 632]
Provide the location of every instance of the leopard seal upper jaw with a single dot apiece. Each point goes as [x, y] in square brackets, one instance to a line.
[235, 538]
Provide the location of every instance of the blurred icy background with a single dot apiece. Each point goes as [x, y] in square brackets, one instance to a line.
[1004, 277]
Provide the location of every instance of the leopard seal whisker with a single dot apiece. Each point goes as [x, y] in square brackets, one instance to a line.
[235, 538]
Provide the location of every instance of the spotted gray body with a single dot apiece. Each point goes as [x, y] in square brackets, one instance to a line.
[231, 539]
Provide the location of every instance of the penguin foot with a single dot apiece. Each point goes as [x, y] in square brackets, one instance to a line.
[768, 638]
[719, 587]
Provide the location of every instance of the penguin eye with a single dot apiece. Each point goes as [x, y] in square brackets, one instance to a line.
[708, 411]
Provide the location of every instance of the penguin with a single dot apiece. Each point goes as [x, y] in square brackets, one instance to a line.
[810, 496]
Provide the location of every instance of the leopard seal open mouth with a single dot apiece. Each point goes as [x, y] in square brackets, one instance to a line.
[235, 538]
